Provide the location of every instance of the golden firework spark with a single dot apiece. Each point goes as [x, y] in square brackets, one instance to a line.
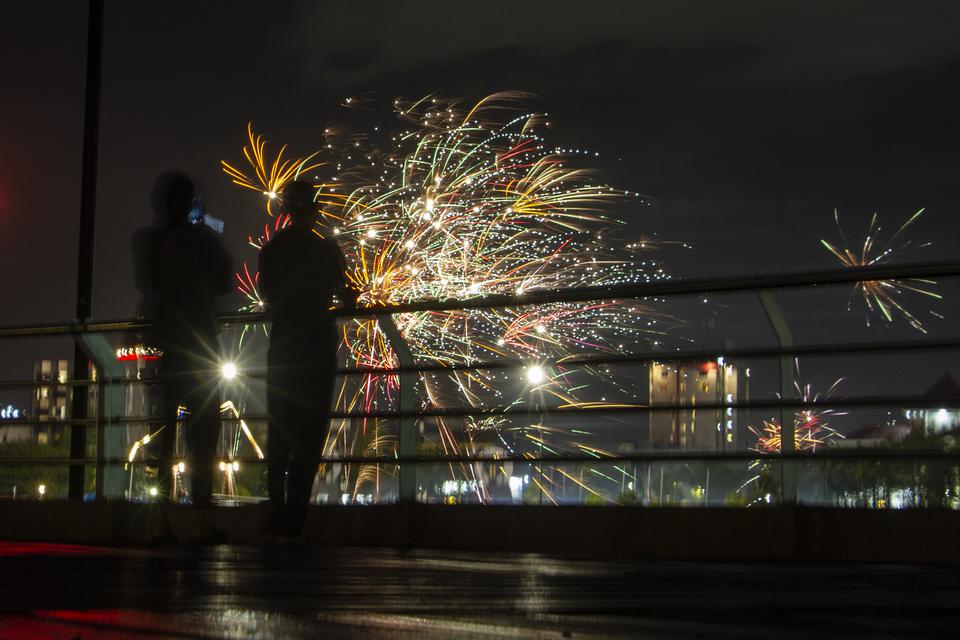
[883, 296]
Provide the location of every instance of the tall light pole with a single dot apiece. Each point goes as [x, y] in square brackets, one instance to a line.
[88, 201]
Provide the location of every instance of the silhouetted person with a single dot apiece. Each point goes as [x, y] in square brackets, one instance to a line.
[181, 268]
[299, 274]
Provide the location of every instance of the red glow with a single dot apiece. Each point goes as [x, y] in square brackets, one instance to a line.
[706, 367]
[8, 549]
[97, 623]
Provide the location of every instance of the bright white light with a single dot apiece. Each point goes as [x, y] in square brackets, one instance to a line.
[42, 489]
[941, 418]
[229, 371]
[236, 466]
[429, 204]
[146, 439]
[541, 328]
[270, 194]
[181, 467]
[223, 466]
[501, 342]
[408, 244]
[153, 492]
[372, 233]
[535, 374]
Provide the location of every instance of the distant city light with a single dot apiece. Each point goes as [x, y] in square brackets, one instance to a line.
[10, 412]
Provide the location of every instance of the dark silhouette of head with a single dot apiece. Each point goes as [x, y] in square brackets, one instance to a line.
[298, 201]
[172, 197]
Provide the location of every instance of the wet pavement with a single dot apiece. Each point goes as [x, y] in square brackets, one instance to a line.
[82, 592]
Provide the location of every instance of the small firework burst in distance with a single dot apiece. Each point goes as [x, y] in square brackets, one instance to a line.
[883, 298]
[811, 425]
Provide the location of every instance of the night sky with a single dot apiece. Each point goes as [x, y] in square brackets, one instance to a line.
[747, 123]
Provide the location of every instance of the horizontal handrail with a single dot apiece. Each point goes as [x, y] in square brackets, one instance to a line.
[910, 402]
[583, 294]
[566, 361]
[824, 453]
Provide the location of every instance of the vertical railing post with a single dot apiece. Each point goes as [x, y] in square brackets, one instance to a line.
[88, 198]
[101, 438]
[788, 478]
[407, 401]
[110, 443]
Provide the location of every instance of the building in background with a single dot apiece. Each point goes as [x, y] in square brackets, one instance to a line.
[52, 402]
[933, 422]
[141, 363]
[712, 384]
[137, 408]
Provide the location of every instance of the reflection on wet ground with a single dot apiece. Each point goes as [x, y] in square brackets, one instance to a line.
[74, 591]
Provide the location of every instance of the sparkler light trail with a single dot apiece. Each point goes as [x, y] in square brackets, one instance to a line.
[446, 203]
[883, 296]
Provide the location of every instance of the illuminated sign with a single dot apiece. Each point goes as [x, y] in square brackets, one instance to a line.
[9, 412]
[138, 352]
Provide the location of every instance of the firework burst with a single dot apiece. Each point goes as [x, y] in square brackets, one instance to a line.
[811, 426]
[883, 297]
[268, 177]
[447, 203]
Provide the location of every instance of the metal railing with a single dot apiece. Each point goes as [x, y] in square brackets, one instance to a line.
[405, 458]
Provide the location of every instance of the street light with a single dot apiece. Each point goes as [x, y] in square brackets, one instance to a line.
[229, 371]
[535, 374]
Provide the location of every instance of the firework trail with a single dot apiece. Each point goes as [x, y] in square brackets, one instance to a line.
[883, 296]
[811, 427]
[446, 203]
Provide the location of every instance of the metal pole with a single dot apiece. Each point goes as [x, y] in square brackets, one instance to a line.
[88, 198]
[408, 436]
[787, 437]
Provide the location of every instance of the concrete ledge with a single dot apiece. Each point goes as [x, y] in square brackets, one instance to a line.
[720, 534]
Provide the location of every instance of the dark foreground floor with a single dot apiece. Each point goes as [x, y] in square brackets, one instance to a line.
[70, 591]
